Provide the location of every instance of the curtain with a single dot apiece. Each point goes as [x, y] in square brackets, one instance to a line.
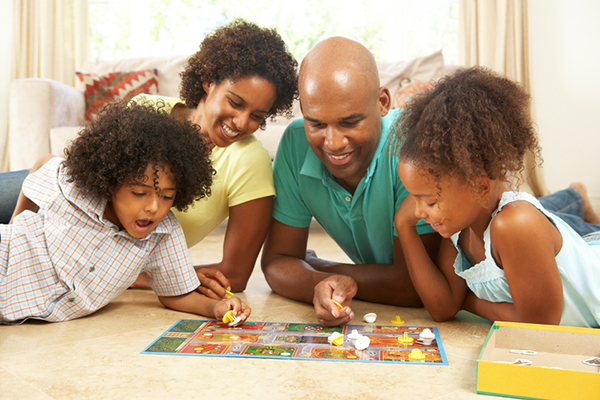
[495, 34]
[50, 40]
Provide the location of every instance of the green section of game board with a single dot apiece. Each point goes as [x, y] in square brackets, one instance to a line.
[187, 325]
[165, 345]
[316, 328]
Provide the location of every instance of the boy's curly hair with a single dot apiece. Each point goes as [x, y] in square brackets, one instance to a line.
[238, 50]
[471, 122]
[117, 147]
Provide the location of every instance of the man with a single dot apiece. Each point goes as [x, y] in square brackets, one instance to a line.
[333, 166]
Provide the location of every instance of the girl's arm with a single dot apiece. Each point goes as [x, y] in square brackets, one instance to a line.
[246, 231]
[525, 244]
[197, 303]
[440, 289]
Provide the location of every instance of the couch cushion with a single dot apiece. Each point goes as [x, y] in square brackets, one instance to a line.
[408, 88]
[61, 138]
[115, 86]
[168, 68]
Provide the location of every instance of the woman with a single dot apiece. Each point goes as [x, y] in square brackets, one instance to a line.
[242, 75]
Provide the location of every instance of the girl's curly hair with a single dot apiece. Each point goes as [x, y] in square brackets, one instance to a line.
[238, 50]
[125, 138]
[471, 122]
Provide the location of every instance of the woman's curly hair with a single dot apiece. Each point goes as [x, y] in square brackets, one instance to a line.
[470, 123]
[238, 50]
[125, 138]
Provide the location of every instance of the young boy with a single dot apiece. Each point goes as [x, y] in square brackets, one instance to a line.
[103, 216]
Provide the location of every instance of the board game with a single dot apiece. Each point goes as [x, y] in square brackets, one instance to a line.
[298, 341]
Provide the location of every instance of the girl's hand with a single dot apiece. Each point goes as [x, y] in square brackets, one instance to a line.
[212, 283]
[405, 216]
[240, 309]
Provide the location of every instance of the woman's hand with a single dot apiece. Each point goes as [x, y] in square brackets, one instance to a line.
[213, 284]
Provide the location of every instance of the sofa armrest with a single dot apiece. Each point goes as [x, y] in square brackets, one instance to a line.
[35, 107]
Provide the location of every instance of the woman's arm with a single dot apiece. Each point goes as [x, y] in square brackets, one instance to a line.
[440, 289]
[246, 231]
[525, 244]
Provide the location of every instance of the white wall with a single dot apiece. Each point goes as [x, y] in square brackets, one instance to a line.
[5, 68]
[565, 46]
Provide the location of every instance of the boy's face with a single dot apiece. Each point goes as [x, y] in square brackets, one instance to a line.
[138, 207]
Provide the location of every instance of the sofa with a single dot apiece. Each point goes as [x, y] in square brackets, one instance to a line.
[45, 115]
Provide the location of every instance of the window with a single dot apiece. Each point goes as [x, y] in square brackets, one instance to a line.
[391, 29]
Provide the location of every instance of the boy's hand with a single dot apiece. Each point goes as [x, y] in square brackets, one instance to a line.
[240, 309]
[212, 283]
[340, 288]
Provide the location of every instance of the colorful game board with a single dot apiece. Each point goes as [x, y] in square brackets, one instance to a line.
[295, 341]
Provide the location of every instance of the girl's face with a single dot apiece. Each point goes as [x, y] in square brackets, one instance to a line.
[454, 210]
[139, 206]
[230, 111]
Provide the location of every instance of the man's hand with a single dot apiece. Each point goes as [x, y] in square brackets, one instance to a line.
[340, 288]
[212, 283]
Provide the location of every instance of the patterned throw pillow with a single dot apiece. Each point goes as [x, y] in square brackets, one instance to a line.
[408, 88]
[115, 86]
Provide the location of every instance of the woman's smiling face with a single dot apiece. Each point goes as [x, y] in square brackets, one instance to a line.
[230, 111]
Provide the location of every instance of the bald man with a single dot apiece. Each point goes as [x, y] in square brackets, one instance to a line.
[332, 165]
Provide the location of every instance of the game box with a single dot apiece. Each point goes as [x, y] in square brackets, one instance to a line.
[534, 361]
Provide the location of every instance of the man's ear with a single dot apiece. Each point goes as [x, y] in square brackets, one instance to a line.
[384, 100]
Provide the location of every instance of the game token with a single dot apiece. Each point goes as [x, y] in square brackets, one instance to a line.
[208, 334]
[426, 336]
[228, 317]
[594, 362]
[416, 354]
[406, 339]
[370, 317]
[527, 352]
[354, 335]
[286, 354]
[336, 339]
[338, 305]
[362, 342]
[229, 294]
[397, 320]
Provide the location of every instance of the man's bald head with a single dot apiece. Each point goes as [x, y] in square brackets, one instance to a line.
[339, 62]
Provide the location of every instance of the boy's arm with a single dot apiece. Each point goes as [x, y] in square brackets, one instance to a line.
[23, 202]
[440, 289]
[197, 303]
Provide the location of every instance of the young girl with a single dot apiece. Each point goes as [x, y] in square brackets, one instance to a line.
[503, 256]
[103, 216]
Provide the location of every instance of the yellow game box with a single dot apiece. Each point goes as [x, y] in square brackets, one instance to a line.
[533, 361]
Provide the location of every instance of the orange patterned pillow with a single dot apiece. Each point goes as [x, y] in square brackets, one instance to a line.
[408, 88]
[115, 86]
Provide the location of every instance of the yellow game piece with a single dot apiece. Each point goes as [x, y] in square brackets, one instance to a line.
[229, 294]
[338, 341]
[406, 339]
[198, 348]
[228, 317]
[416, 354]
[338, 305]
[397, 320]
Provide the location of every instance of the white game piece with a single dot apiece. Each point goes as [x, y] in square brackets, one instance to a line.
[370, 317]
[235, 321]
[354, 335]
[362, 342]
[426, 336]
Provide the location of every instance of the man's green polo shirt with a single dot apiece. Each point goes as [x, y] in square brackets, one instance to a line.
[362, 224]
